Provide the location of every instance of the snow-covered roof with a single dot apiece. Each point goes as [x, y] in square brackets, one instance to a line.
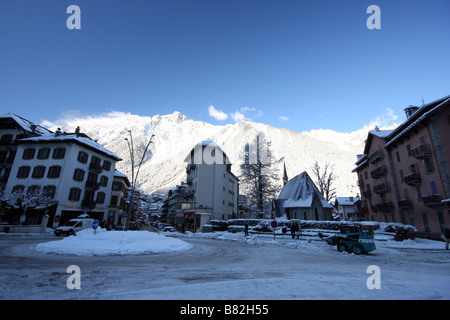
[300, 192]
[381, 133]
[82, 140]
[119, 174]
[27, 125]
[347, 201]
[409, 125]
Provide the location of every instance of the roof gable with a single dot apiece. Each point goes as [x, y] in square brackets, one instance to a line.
[300, 192]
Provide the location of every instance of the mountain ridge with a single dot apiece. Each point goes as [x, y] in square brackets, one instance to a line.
[175, 135]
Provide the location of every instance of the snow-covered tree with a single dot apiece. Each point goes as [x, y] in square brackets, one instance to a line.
[259, 173]
[18, 202]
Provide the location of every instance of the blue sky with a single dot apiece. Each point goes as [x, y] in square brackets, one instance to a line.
[296, 64]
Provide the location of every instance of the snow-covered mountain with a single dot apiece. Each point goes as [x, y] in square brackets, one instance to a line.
[175, 135]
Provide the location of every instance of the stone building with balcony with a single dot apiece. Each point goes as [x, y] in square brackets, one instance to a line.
[404, 174]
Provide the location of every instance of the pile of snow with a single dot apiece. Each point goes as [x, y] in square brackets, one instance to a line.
[103, 242]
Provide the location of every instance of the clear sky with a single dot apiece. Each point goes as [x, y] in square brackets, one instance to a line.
[299, 64]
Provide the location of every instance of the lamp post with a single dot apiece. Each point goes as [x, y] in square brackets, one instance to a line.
[134, 178]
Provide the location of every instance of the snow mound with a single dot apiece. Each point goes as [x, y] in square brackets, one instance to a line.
[86, 243]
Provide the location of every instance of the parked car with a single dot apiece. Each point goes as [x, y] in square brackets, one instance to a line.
[72, 226]
[169, 229]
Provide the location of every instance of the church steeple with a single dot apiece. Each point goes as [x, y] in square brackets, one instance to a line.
[285, 176]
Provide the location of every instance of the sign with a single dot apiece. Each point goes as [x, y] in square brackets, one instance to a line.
[274, 224]
[160, 226]
[95, 224]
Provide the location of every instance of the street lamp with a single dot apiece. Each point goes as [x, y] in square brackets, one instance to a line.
[134, 178]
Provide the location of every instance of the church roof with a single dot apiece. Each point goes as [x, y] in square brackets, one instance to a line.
[300, 192]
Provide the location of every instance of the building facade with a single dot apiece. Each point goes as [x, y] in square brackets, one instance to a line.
[71, 171]
[404, 173]
[211, 186]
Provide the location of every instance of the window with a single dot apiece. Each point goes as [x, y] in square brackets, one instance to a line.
[43, 153]
[103, 181]
[106, 165]
[116, 186]
[49, 191]
[429, 167]
[408, 150]
[397, 155]
[101, 197]
[114, 200]
[433, 188]
[425, 222]
[74, 194]
[34, 190]
[78, 175]
[6, 139]
[96, 160]
[28, 153]
[82, 157]
[18, 189]
[38, 172]
[23, 172]
[54, 172]
[59, 153]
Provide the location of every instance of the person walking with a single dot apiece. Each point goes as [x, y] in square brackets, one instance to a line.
[246, 229]
[447, 238]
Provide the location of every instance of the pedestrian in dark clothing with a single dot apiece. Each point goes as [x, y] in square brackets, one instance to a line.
[246, 229]
[294, 228]
[447, 238]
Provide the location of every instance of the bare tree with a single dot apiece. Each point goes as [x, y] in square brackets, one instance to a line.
[325, 178]
[259, 173]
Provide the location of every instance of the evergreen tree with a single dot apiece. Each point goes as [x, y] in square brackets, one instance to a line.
[259, 174]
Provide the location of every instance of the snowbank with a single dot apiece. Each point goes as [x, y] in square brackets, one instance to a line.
[86, 243]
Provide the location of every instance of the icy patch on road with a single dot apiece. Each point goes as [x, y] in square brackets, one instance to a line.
[103, 242]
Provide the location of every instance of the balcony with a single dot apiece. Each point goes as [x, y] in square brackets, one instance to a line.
[413, 179]
[92, 185]
[379, 172]
[433, 200]
[381, 188]
[376, 156]
[405, 204]
[422, 151]
[95, 167]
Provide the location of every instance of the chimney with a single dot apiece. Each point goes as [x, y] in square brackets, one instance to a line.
[410, 111]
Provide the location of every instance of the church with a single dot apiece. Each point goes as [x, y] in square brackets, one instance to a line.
[301, 199]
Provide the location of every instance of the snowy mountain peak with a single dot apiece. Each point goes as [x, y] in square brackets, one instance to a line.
[175, 135]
